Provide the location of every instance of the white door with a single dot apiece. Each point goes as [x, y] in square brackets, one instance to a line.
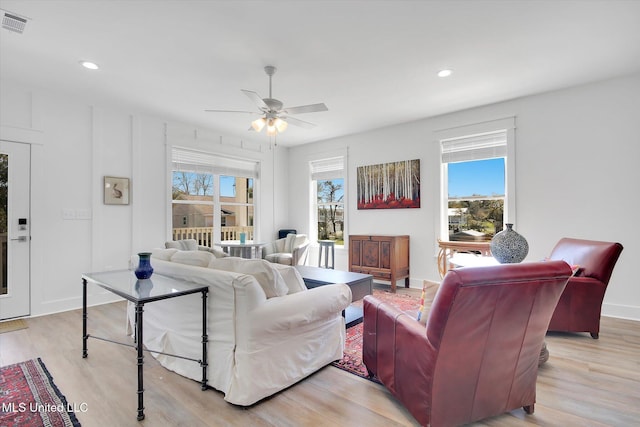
[15, 223]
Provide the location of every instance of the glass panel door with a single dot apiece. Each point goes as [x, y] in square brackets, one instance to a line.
[15, 159]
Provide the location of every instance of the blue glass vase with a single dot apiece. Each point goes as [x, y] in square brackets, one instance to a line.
[144, 270]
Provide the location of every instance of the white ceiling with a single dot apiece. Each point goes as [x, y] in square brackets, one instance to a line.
[373, 63]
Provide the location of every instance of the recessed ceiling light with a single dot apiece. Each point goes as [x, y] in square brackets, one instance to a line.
[444, 73]
[90, 65]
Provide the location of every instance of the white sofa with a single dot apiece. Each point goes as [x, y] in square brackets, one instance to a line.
[266, 330]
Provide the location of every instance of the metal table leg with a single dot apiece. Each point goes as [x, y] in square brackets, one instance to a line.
[139, 338]
[84, 319]
[205, 340]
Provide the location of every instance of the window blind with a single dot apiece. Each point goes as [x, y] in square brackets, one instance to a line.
[203, 162]
[327, 168]
[475, 147]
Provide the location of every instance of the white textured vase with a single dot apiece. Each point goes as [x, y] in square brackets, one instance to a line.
[508, 246]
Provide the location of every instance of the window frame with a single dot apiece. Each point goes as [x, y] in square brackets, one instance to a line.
[321, 169]
[190, 160]
[505, 124]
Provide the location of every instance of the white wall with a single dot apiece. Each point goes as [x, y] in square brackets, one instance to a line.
[577, 175]
[77, 145]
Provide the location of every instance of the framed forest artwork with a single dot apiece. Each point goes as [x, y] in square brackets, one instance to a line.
[393, 185]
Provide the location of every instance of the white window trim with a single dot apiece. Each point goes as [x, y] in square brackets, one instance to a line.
[313, 191]
[217, 165]
[508, 124]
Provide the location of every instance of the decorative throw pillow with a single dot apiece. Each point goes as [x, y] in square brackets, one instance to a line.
[265, 274]
[217, 252]
[291, 277]
[163, 254]
[197, 258]
[429, 290]
[182, 245]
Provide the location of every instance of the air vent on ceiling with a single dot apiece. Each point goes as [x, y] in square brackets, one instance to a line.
[13, 22]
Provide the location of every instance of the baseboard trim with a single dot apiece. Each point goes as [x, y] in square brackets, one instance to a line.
[620, 311]
[75, 303]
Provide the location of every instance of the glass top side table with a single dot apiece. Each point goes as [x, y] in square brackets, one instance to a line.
[140, 292]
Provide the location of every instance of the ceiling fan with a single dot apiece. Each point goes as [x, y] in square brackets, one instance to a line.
[274, 116]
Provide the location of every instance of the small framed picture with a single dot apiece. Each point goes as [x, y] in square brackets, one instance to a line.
[116, 191]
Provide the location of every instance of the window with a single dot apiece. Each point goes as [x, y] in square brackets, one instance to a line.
[236, 204]
[477, 174]
[212, 197]
[327, 183]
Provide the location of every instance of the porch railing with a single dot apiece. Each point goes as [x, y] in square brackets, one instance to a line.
[204, 235]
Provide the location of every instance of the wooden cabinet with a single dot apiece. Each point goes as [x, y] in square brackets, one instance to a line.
[384, 257]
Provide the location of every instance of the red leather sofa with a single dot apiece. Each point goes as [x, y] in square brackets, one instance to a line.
[581, 302]
[478, 356]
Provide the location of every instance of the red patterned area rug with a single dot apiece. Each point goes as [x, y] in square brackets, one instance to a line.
[29, 398]
[352, 360]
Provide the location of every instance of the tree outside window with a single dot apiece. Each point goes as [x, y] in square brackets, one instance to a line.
[476, 199]
[330, 202]
[194, 191]
[194, 206]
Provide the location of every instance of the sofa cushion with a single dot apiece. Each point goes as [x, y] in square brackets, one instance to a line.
[265, 274]
[289, 243]
[280, 258]
[163, 254]
[197, 258]
[274, 247]
[183, 245]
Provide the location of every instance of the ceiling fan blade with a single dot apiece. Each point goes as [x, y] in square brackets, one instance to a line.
[232, 111]
[256, 99]
[298, 122]
[312, 108]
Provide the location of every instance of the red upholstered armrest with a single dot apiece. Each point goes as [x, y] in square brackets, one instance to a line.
[585, 281]
[396, 350]
[595, 258]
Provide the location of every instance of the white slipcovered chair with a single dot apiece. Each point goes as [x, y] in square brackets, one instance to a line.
[290, 250]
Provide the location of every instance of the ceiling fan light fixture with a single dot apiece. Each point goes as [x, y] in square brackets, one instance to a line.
[280, 125]
[271, 109]
[271, 128]
[258, 124]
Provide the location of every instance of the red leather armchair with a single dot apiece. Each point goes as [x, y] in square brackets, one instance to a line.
[478, 356]
[581, 302]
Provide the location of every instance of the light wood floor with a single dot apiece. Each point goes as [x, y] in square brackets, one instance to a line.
[586, 382]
